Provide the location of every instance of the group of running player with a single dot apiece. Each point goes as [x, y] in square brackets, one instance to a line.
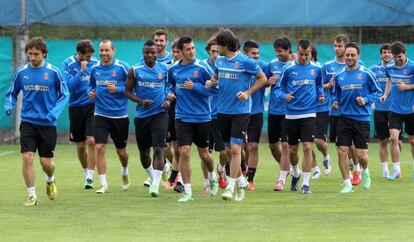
[217, 104]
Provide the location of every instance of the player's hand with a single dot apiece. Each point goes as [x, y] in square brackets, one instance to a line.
[321, 99]
[8, 112]
[112, 88]
[335, 105]
[188, 84]
[243, 96]
[211, 83]
[289, 97]
[170, 96]
[92, 94]
[402, 86]
[360, 101]
[329, 84]
[271, 80]
[84, 65]
[146, 102]
[383, 99]
[166, 105]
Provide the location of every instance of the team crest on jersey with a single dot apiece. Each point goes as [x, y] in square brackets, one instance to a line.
[312, 72]
[113, 73]
[45, 76]
[359, 76]
[236, 65]
[159, 76]
[195, 74]
[405, 71]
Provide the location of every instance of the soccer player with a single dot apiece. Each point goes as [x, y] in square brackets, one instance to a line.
[233, 74]
[301, 87]
[254, 129]
[146, 85]
[187, 78]
[355, 89]
[77, 74]
[44, 96]
[107, 88]
[400, 88]
[160, 37]
[276, 124]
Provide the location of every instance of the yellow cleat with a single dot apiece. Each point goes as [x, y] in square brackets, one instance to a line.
[102, 190]
[125, 182]
[31, 201]
[51, 190]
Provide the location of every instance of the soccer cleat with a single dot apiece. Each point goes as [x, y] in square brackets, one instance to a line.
[366, 180]
[179, 187]
[327, 167]
[394, 176]
[206, 189]
[153, 191]
[51, 190]
[147, 182]
[306, 189]
[240, 192]
[385, 173]
[347, 189]
[294, 186]
[356, 178]
[213, 188]
[250, 186]
[316, 175]
[166, 172]
[227, 195]
[88, 184]
[125, 182]
[31, 201]
[222, 178]
[186, 198]
[280, 185]
[169, 185]
[103, 189]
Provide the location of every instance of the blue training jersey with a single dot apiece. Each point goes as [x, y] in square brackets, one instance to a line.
[193, 105]
[150, 83]
[380, 73]
[78, 81]
[110, 105]
[402, 102]
[214, 100]
[233, 77]
[304, 82]
[350, 84]
[166, 59]
[258, 97]
[45, 94]
[276, 105]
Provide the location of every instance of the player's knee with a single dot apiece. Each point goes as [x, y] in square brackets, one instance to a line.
[90, 141]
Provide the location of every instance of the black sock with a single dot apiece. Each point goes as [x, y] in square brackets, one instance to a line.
[173, 175]
[243, 165]
[250, 174]
[228, 168]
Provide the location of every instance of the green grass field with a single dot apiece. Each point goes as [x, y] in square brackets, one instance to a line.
[384, 213]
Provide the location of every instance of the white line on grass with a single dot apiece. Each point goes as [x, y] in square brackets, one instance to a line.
[6, 153]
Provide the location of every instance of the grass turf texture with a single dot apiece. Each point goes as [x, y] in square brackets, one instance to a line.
[384, 213]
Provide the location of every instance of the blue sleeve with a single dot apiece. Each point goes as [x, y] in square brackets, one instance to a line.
[252, 67]
[319, 88]
[121, 86]
[336, 91]
[375, 91]
[281, 85]
[170, 82]
[325, 76]
[11, 95]
[92, 81]
[201, 89]
[63, 97]
[72, 79]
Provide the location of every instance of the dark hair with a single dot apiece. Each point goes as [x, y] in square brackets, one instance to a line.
[174, 44]
[149, 43]
[397, 48]
[342, 38]
[304, 44]
[385, 46]
[183, 40]
[160, 32]
[314, 53]
[37, 43]
[283, 43]
[228, 39]
[352, 45]
[85, 46]
[249, 44]
[210, 42]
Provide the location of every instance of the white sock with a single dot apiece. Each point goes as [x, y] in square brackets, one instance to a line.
[232, 182]
[327, 157]
[50, 178]
[306, 176]
[348, 182]
[90, 174]
[85, 172]
[211, 175]
[241, 180]
[283, 175]
[365, 170]
[156, 177]
[149, 171]
[296, 170]
[180, 178]
[384, 165]
[166, 166]
[31, 191]
[102, 180]
[397, 167]
[124, 170]
[221, 168]
[187, 189]
[357, 167]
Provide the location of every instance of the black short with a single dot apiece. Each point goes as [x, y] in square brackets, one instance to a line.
[116, 128]
[151, 131]
[321, 125]
[233, 127]
[81, 122]
[333, 127]
[353, 132]
[187, 133]
[172, 135]
[396, 121]
[381, 125]
[276, 128]
[300, 130]
[216, 141]
[254, 130]
[42, 138]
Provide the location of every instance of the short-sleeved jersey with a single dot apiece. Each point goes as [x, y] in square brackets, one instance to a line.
[214, 101]
[380, 73]
[258, 96]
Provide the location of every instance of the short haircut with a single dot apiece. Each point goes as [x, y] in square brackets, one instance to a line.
[385, 46]
[314, 53]
[85, 46]
[174, 44]
[283, 43]
[249, 44]
[397, 48]
[105, 41]
[210, 42]
[37, 43]
[183, 40]
[304, 44]
[342, 38]
[149, 43]
[352, 45]
[160, 32]
[225, 37]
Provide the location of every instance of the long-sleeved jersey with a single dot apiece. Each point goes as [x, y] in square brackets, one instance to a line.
[78, 81]
[214, 100]
[258, 96]
[110, 105]
[45, 94]
[276, 105]
[380, 73]
[350, 84]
